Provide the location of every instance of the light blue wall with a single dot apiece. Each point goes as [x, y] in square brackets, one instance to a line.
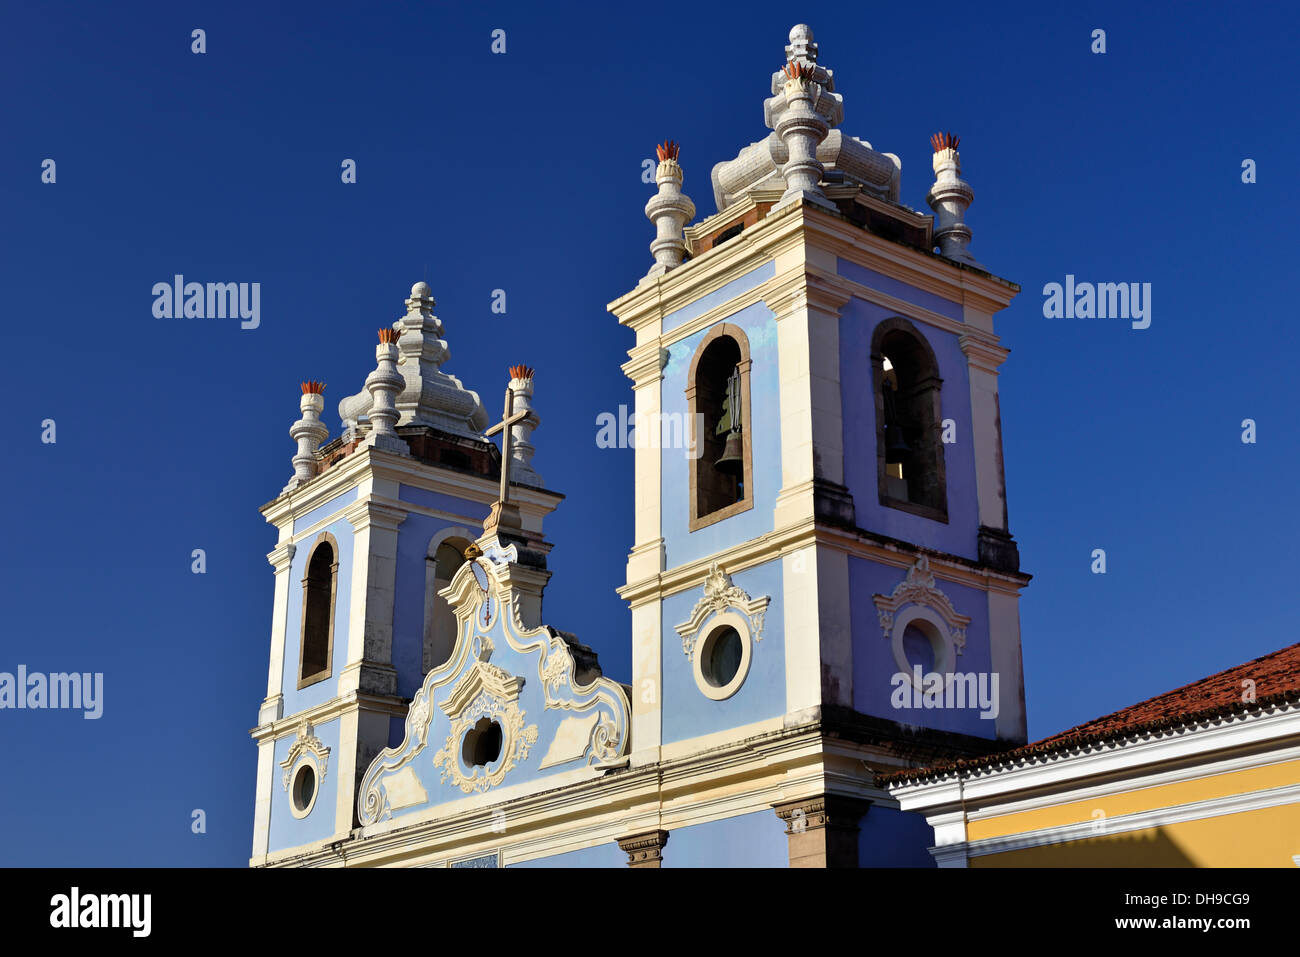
[476, 512]
[321, 691]
[602, 855]
[287, 830]
[960, 535]
[687, 713]
[413, 537]
[893, 838]
[899, 290]
[750, 840]
[308, 519]
[873, 658]
[731, 290]
[682, 545]
[527, 663]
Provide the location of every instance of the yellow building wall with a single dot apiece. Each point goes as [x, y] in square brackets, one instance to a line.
[1264, 838]
[1207, 788]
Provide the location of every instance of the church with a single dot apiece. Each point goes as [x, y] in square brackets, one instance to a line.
[822, 531]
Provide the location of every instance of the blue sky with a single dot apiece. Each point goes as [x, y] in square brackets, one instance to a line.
[523, 172]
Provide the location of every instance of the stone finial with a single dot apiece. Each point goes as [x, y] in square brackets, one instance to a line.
[383, 385]
[847, 159]
[521, 448]
[950, 197]
[670, 210]
[801, 128]
[309, 432]
[801, 44]
[428, 395]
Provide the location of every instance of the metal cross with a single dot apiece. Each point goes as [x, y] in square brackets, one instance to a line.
[507, 420]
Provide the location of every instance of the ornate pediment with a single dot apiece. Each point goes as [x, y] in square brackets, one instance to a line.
[919, 588]
[304, 743]
[510, 706]
[720, 594]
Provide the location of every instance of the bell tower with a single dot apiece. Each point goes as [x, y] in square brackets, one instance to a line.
[373, 527]
[823, 583]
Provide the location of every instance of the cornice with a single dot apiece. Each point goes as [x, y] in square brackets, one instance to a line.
[774, 544]
[373, 511]
[645, 364]
[1125, 756]
[981, 351]
[710, 271]
[782, 765]
[281, 556]
[928, 271]
[330, 710]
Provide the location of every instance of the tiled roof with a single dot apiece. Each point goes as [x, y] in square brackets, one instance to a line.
[1276, 678]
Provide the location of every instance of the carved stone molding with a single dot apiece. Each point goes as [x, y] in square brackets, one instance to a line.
[919, 588]
[644, 850]
[504, 671]
[305, 743]
[823, 830]
[719, 595]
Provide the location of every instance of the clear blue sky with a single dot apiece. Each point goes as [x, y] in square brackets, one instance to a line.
[522, 172]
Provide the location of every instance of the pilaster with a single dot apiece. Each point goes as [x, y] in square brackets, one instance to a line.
[823, 831]
[645, 850]
[281, 558]
[368, 666]
[807, 311]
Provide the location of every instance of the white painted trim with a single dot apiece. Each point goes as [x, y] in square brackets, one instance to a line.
[718, 622]
[984, 786]
[305, 761]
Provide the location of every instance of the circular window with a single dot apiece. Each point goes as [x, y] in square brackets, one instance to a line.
[722, 652]
[303, 790]
[921, 639]
[918, 648]
[482, 744]
[722, 656]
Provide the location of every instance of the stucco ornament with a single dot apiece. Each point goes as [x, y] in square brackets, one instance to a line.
[427, 395]
[506, 673]
[803, 113]
[304, 743]
[919, 588]
[720, 594]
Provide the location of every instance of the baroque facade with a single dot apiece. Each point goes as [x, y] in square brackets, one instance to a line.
[823, 585]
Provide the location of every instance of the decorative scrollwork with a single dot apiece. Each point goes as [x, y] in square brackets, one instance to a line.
[720, 593]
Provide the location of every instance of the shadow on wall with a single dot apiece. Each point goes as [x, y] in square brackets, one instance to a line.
[1150, 848]
[891, 838]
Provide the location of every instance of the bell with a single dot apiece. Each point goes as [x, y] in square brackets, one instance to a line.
[732, 460]
[896, 447]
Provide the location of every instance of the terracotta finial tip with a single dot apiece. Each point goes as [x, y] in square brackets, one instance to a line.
[668, 150]
[388, 335]
[313, 388]
[944, 141]
[521, 372]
